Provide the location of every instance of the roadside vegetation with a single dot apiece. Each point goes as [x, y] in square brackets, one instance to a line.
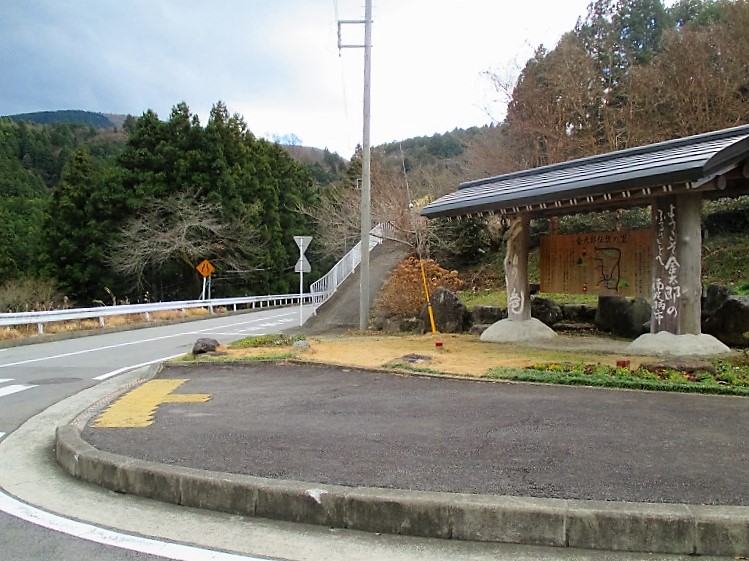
[465, 356]
[724, 377]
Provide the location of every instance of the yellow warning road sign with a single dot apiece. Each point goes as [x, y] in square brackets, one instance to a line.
[205, 268]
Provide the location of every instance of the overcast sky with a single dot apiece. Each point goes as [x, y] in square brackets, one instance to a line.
[275, 62]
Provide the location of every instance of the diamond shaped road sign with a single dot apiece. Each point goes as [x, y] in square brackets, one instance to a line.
[303, 242]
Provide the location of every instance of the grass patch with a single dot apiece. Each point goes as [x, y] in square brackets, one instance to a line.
[265, 357]
[729, 378]
[275, 340]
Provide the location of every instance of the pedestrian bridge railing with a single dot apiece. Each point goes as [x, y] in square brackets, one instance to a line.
[321, 290]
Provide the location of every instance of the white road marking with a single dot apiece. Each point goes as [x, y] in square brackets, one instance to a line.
[91, 533]
[107, 347]
[3, 380]
[2, 434]
[15, 388]
[134, 366]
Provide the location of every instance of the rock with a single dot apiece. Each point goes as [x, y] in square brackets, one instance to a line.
[488, 314]
[622, 316]
[579, 313]
[730, 322]
[518, 331]
[479, 328]
[665, 343]
[301, 345]
[450, 314]
[546, 311]
[204, 345]
[715, 296]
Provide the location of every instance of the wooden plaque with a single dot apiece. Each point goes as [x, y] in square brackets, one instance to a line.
[603, 263]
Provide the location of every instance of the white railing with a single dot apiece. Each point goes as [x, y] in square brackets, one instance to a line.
[322, 289]
[101, 312]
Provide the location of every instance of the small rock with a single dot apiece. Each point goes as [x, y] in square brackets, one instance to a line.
[204, 345]
[301, 344]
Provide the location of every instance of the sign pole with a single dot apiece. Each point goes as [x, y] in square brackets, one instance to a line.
[301, 289]
[302, 266]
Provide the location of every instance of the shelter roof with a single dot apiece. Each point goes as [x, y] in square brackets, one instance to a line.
[714, 162]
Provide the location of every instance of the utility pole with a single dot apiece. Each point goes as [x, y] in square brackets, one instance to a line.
[366, 214]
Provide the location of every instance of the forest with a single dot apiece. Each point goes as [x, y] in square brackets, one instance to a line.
[93, 213]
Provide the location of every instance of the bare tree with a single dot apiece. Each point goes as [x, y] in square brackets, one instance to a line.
[184, 229]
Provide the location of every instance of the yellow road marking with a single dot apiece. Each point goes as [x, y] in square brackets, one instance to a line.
[136, 409]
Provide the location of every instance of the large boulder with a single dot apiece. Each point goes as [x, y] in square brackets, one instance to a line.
[730, 322]
[450, 314]
[546, 311]
[579, 313]
[488, 314]
[622, 316]
[714, 297]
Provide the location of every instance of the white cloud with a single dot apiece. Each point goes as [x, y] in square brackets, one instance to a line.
[276, 63]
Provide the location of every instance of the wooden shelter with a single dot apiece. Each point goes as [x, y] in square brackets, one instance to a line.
[671, 177]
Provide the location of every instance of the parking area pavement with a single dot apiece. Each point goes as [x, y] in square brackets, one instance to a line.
[352, 427]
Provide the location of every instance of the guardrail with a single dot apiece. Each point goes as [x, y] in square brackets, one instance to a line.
[323, 288]
[320, 291]
[102, 312]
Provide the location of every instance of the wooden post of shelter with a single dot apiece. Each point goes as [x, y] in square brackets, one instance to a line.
[677, 253]
[516, 270]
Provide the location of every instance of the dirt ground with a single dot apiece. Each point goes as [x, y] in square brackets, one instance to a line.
[458, 354]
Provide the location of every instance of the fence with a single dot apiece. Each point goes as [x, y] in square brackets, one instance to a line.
[320, 291]
[101, 312]
[323, 288]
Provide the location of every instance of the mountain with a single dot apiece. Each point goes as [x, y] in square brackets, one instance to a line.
[70, 117]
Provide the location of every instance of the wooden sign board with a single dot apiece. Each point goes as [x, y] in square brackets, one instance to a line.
[603, 263]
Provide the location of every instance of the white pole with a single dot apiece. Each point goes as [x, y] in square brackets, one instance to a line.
[202, 294]
[301, 288]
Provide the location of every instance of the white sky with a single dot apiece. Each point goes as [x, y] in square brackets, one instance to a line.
[275, 62]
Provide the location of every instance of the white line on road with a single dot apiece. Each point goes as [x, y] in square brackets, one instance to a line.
[169, 550]
[3, 380]
[15, 388]
[134, 366]
[2, 434]
[107, 347]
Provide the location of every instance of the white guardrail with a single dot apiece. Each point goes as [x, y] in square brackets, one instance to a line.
[320, 291]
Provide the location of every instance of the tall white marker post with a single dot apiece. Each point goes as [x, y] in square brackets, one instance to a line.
[302, 266]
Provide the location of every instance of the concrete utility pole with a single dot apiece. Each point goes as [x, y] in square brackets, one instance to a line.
[366, 215]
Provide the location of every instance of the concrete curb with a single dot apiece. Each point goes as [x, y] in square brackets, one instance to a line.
[657, 528]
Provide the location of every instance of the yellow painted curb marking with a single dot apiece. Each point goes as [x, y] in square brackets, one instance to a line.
[136, 409]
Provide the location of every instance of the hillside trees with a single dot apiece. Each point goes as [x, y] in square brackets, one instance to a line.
[85, 209]
[632, 72]
[218, 193]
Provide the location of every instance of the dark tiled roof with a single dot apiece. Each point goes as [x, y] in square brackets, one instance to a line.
[620, 179]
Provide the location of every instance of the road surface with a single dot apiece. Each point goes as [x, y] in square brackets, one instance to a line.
[45, 514]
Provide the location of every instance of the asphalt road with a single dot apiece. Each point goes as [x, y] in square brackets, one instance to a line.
[359, 428]
[44, 514]
[37, 376]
